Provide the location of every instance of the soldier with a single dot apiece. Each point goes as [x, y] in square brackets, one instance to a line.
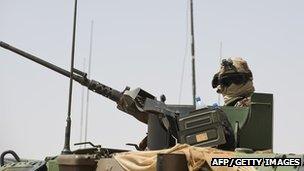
[234, 82]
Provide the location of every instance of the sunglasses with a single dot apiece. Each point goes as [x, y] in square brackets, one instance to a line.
[227, 79]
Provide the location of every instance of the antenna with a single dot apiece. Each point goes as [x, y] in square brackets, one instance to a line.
[220, 60]
[193, 54]
[88, 92]
[185, 55]
[82, 105]
[67, 138]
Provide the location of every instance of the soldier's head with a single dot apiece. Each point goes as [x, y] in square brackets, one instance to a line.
[234, 78]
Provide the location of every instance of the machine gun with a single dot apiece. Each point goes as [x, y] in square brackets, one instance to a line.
[164, 121]
[131, 102]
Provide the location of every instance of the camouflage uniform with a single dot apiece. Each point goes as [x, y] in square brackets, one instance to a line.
[234, 82]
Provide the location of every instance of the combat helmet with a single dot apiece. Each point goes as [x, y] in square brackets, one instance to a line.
[233, 80]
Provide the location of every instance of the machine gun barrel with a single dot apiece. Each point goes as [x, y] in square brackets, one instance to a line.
[78, 76]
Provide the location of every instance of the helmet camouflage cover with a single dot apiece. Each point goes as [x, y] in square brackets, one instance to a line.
[234, 81]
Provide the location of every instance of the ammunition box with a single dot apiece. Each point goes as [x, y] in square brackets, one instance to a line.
[201, 128]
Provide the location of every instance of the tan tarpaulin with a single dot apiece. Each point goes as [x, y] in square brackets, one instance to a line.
[196, 156]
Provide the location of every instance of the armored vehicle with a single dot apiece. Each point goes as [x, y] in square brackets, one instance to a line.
[245, 129]
[179, 136]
